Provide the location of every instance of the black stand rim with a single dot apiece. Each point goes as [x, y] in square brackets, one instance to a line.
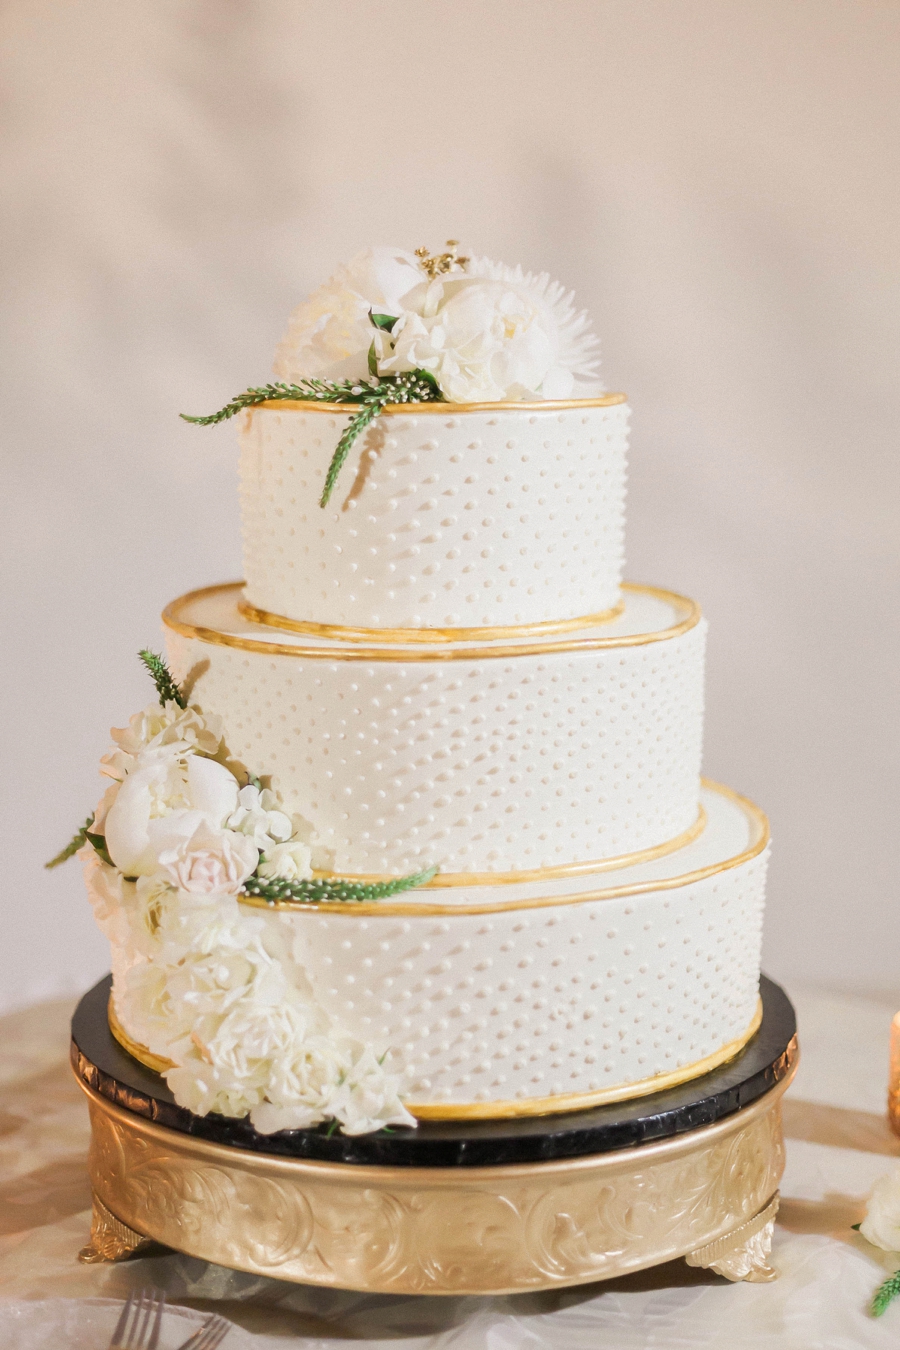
[769, 1057]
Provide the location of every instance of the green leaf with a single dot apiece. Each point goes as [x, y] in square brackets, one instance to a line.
[162, 677]
[410, 386]
[356, 426]
[373, 360]
[856, 1227]
[321, 890]
[885, 1294]
[99, 844]
[383, 321]
[78, 840]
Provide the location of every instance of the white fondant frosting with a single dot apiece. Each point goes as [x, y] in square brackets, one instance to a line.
[444, 518]
[473, 764]
[597, 915]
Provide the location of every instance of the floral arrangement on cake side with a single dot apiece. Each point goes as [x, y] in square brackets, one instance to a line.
[398, 327]
[182, 833]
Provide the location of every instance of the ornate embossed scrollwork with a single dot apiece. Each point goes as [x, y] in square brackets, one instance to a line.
[448, 1230]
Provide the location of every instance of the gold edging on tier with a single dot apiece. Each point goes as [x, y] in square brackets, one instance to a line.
[171, 617]
[582, 1101]
[414, 635]
[443, 880]
[508, 1110]
[394, 908]
[158, 1063]
[445, 409]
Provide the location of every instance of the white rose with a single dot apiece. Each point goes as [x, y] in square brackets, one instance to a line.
[161, 802]
[258, 816]
[182, 729]
[881, 1226]
[287, 862]
[329, 334]
[210, 862]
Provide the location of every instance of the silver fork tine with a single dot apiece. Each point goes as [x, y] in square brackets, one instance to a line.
[136, 1338]
[214, 1334]
[208, 1336]
[118, 1336]
[153, 1342]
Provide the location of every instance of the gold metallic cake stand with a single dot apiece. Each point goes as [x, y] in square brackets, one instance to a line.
[708, 1194]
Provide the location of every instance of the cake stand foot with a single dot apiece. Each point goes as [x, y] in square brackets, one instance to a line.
[111, 1240]
[743, 1253]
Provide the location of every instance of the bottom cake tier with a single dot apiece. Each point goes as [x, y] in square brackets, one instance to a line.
[540, 997]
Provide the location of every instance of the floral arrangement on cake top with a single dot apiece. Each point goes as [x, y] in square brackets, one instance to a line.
[398, 327]
[182, 833]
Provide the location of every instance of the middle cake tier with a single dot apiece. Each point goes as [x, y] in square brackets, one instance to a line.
[504, 757]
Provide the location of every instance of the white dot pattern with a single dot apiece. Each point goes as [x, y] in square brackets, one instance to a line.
[533, 1003]
[492, 765]
[483, 518]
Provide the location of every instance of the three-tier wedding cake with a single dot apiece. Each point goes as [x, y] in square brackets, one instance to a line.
[417, 827]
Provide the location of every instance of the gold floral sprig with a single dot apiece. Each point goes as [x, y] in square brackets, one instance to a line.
[442, 263]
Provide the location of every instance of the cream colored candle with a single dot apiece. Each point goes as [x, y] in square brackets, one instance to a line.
[894, 1078]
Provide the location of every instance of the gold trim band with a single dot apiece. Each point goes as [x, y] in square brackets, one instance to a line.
[414, 635]
[447, 409]
[171, 617]
[508, 1110]
[582, 1101]
[442, 880]
[158, 1063]
[394, 908]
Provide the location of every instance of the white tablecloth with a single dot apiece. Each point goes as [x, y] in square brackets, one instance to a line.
[838, 1144]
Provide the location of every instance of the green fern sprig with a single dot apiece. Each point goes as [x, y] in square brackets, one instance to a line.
[412, 386]
[163, 678]
[78, 840]
[886, 1293]
[320, 890]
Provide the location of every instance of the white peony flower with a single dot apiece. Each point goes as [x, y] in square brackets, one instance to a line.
[259, 816]
[291, 861]
[494, 333]
[161, 802]
[184, 730]
[329, 334]
[210, 862]
[881, 1226]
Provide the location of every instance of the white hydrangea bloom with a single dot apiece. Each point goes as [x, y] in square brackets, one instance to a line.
[258, 815]
[291, 861]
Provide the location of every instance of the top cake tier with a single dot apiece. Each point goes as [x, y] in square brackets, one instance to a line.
[447, 517]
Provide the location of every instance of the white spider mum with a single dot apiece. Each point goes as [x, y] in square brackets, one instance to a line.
[579, 346]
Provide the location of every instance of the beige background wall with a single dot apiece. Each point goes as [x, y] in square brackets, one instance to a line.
[719, 181]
